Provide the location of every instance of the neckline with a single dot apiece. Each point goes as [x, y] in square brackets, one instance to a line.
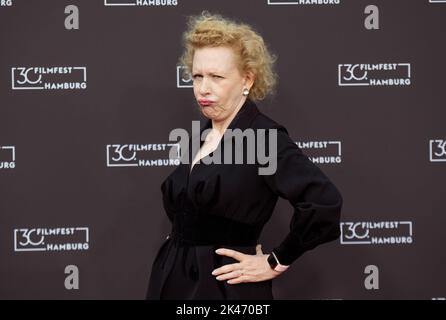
[236, 122]
[247, 106]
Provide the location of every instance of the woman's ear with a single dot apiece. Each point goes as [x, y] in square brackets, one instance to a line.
[249, 79]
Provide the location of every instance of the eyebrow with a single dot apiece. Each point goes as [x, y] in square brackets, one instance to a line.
[209, 72]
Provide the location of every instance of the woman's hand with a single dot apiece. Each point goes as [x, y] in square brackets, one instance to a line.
[249, 268]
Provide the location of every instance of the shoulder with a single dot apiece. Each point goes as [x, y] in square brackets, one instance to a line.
[284, 142]
[262, 121]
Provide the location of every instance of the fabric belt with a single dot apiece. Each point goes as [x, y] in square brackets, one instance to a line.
[194, 229]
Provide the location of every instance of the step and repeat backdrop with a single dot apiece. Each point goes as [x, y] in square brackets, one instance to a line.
[89, 91]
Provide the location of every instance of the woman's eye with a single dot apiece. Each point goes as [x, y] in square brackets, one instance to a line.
[218, 77]
[197, 76]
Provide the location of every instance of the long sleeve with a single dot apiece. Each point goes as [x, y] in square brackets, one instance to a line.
[316, 201]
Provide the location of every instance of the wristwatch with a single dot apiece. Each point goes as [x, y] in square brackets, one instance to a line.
[275, 264]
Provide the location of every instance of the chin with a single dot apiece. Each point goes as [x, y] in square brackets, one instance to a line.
[209, 114]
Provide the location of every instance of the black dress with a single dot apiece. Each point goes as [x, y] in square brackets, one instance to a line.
[227, 205]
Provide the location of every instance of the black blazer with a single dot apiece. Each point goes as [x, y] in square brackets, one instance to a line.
[228, 204]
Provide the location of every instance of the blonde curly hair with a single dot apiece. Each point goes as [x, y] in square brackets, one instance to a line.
[212, 30]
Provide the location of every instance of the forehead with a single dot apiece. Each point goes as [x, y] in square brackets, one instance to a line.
[214, 59]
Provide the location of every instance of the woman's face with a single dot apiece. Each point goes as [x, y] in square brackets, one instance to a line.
[218, 83]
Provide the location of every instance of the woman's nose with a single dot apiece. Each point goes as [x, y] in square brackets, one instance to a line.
[204, 86]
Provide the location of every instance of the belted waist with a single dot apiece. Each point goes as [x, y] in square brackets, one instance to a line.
[194, 229]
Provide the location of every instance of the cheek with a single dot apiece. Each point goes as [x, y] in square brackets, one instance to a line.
[225, 91]
[196, 90]
[235, 88]
[232, 93]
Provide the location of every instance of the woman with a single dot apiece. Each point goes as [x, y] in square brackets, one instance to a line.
[218, 210]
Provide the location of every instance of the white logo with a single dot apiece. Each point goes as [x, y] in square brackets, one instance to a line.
[49, 78]
[381, 232]
[303, 2]
[140, 2]
[138, 155]
[5, 3]
[327, 146]
[371, 282]
[379, 74]
[51, 239]
[437, 150]
[184, 80]
[72, 280]
[7, 157]
[437, 1]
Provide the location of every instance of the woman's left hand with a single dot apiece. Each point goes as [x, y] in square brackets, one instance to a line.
[249, 268]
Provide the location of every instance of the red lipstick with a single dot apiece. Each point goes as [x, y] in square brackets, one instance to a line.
[205, 103]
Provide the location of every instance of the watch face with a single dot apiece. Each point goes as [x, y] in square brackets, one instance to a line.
[272, 261]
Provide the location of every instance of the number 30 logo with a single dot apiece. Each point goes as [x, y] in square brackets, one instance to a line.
[25, 78]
